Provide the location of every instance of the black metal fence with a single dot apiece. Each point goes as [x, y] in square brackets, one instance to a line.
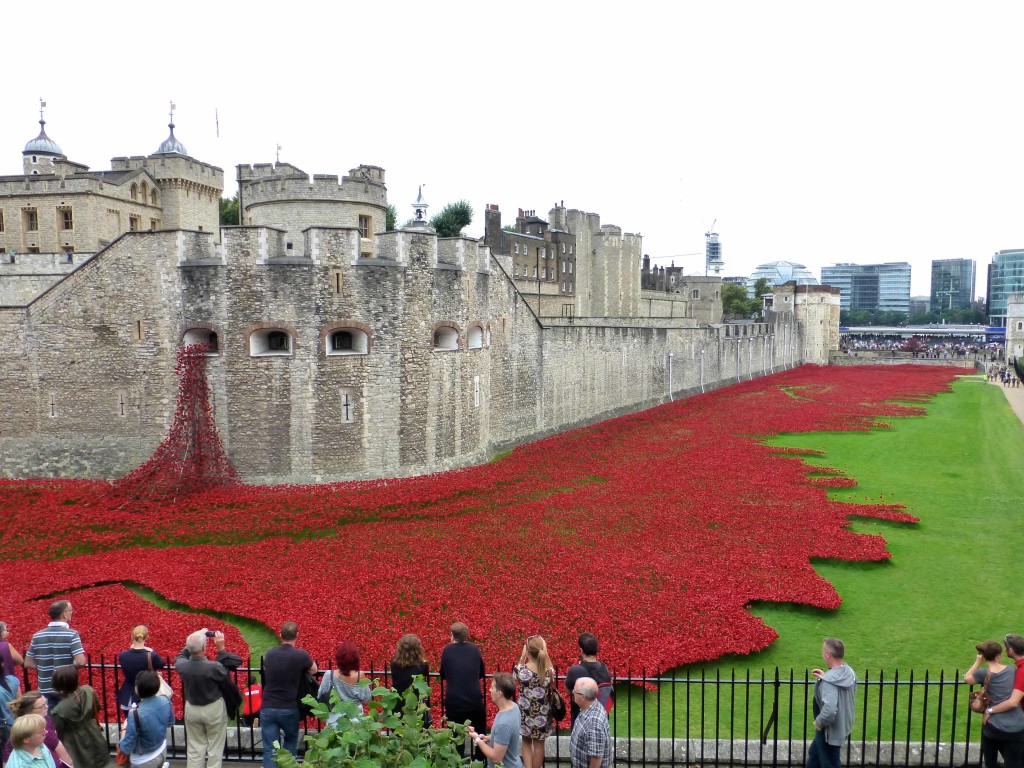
[729, 719]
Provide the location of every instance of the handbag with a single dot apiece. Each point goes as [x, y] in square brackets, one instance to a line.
[122, 758]
[979, 701]
[165, 687]
[308, 686]
[556, 705]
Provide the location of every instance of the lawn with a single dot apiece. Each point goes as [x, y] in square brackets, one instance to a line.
[958, 470]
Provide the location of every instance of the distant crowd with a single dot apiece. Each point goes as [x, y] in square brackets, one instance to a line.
[926, 347]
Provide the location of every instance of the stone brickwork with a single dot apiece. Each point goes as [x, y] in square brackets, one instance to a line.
[1015, 326]
[334, 361]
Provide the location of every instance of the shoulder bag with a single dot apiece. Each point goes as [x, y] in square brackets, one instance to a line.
[979, 701]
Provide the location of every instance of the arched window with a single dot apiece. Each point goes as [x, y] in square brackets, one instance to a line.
[446, 339]
[144, 192]
[347, 341]
[135, 191]
[269, 342]
[154, 197]
[1020, 326]
[475, 337]
[202, 336]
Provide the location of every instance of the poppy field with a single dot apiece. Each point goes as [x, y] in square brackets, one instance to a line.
[655, 530]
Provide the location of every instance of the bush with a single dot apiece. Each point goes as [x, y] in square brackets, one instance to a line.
[381, 738]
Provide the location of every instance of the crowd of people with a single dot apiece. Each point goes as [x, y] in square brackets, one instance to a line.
[1001, 374]
[924, 347]
[56, 724]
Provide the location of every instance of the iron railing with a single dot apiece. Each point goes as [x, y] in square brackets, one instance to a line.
[727, 719]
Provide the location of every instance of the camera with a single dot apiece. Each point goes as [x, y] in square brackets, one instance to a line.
[210, 633]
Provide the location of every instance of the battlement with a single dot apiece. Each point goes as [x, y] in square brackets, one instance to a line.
[284, 183]
[164, 167]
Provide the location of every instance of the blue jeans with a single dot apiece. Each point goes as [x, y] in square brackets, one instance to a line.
[274, 722]
[822, 754]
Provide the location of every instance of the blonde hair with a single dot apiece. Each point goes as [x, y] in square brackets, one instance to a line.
[537, 650]
[25, 726]
[140, 633]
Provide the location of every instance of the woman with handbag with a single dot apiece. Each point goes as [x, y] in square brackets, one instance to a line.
[75, 720]
[536, 678]
[145, 735]
[138, 657]
[1002, 733]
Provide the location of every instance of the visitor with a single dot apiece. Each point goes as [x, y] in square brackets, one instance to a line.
[9, 656]
[462, 669]
[345, 680]
[833, 706]
[284, 672]
[504, 744]
[138, 657]
[588, 666]
[56, 645]
[536, 677]
[1002, 732]
[145, 734]
[75, 720]
[28, 735]
[204, 684]
[252, 701]
[406, 664]
[590, 745]
[33, 702]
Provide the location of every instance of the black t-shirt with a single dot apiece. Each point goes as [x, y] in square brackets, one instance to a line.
[593, 669]
[401, 677]
[283, 668]
[462, 669]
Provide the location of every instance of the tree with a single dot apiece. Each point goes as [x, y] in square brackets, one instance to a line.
[382, 739]
[734, 300]
[452, 219]
[390, 218]
[229, 211]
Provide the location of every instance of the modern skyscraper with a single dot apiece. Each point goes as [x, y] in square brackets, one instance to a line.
[952, 284]
[884, 287]
[1005, 277]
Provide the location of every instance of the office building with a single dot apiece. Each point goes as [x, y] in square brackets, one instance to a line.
[1005, 278]
[881, 287]
[952, 284]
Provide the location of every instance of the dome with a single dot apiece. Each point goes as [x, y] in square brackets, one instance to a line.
[171, 145]
[42, 144]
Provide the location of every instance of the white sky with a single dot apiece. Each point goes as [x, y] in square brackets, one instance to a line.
[812, 131]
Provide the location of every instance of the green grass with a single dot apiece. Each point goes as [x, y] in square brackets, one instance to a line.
[259, 637]
[950, 582]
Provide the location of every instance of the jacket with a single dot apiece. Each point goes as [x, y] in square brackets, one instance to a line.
[833, 704]
[155, 716]
[75, 720]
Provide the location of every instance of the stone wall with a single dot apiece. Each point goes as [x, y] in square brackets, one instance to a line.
[450, 364]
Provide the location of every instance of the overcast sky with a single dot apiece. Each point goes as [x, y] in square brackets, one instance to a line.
[816, 132]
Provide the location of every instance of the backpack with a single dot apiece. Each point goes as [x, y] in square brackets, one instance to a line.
[606, 696]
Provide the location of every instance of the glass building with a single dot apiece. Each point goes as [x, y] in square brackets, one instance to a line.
[1005, 277]
[780, 273]
[952, 284]
[884, 287]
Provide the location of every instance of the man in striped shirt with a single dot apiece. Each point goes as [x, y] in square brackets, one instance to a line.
[56, 645]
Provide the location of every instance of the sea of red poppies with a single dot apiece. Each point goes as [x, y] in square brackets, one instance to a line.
[656, 531]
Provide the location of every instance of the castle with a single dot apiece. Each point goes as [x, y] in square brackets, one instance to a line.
[337, 349]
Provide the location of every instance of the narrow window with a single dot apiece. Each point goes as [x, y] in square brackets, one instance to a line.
[137, 330]
[53, 406]
[364, 226]
[348, 407]
[153, 225]
[67, 219]
[154, 199]
[31, 220]
[1, 220]
[696, 291]
[476, 391]
[336, 282]
[134, 223]
[120, 404]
